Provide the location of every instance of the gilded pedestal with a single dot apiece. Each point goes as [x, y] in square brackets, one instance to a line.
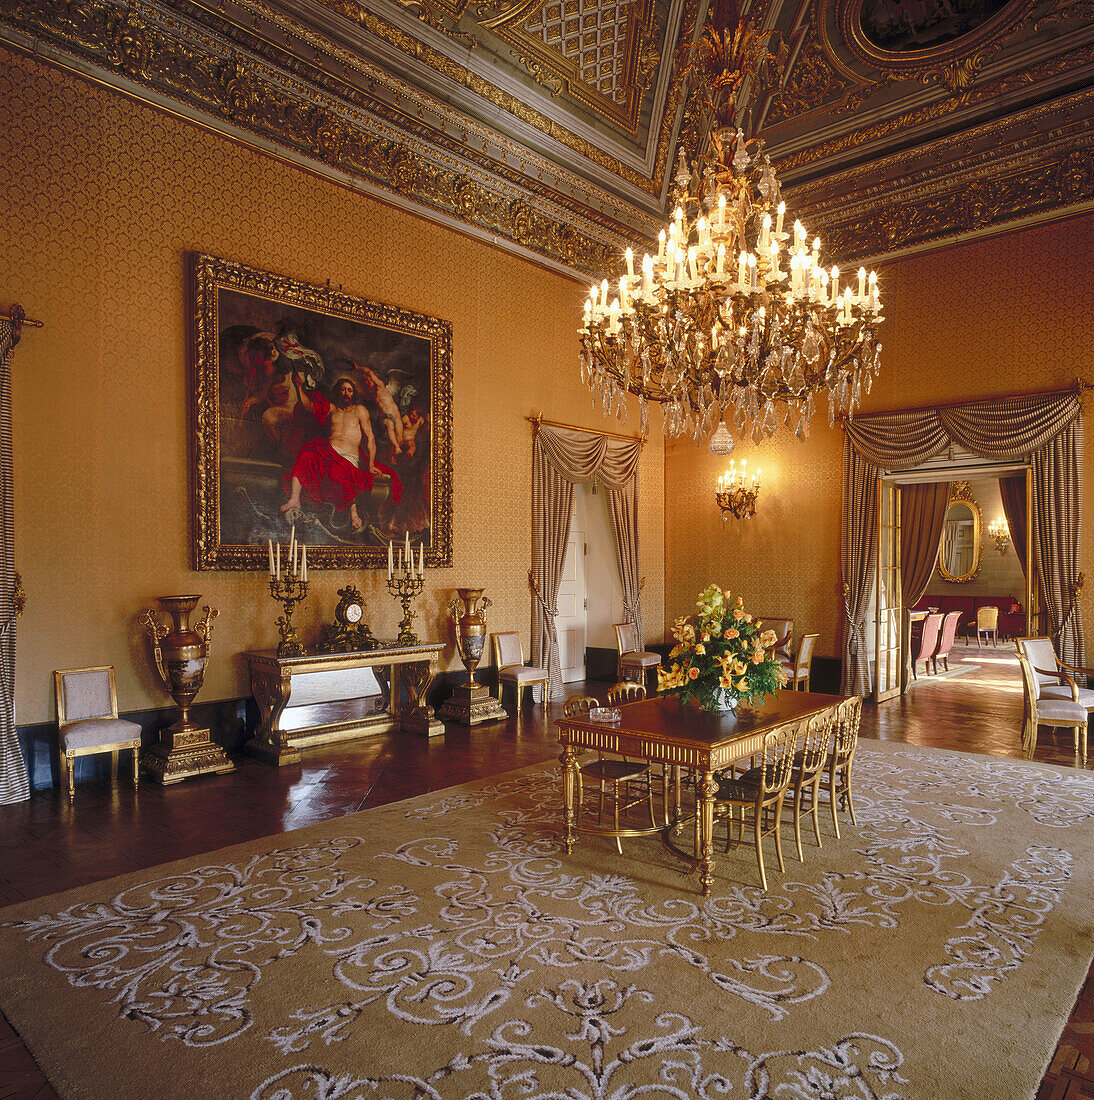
[183, 749]
[471, 704]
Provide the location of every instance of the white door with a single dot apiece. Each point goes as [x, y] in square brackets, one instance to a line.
[570, 623]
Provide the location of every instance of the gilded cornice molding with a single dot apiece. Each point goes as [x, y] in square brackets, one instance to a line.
[414, 47]
[139, 44]
[985, 93]
[983, 190]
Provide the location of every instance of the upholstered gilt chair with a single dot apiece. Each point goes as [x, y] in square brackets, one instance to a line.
[986, 626]
[805, 779]
[836, 773]
[88, 722]
[612, 774]
[784, 637]
[509, 659]
[1054, 679]
[928, 644]
[1041, 710]
[632, 658]
[758, 796]
[803, 662]
[945, 644]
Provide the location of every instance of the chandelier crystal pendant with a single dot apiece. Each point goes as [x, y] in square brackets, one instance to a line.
[735, 316]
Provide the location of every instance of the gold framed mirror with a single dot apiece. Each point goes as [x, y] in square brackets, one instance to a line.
[961, 551]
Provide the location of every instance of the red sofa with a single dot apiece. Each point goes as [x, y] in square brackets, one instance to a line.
[1012, 615]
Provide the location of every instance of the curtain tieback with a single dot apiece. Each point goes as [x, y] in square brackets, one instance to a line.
[632, 608]
[858, 630]
[550, 612]
[18, 605]
[1072, 603]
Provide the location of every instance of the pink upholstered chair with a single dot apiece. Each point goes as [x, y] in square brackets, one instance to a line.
[949, 633]
[928, 643]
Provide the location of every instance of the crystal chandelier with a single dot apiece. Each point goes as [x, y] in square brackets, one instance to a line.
[735, 316]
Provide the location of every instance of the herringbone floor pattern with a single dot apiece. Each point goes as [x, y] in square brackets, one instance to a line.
[46, 846]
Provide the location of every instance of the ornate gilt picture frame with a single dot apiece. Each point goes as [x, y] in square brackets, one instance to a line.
[315, 408]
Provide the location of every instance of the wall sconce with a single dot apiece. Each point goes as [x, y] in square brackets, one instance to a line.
[736, 493]
[998, 531]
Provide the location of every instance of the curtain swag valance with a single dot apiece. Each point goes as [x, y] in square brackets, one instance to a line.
[1046, 427]
[561, 458]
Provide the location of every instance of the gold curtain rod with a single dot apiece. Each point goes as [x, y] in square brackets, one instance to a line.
[1079, 386]
[18, 317]
[536, 420]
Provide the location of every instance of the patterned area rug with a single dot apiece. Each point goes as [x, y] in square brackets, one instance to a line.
[946, 673]
[446, 947]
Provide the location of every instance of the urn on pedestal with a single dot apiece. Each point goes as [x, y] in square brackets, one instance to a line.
[471, 703]
[183, 749]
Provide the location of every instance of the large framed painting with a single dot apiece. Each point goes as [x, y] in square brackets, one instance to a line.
[316, 410]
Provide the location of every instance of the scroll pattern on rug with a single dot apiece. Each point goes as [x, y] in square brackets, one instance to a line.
[544, 971]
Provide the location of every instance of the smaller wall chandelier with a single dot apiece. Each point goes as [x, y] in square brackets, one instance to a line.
[735, 316]
[998, 531]
[736, 493]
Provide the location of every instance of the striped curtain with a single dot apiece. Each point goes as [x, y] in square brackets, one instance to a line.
[13, 770]
[561, 458]
[1046, 426]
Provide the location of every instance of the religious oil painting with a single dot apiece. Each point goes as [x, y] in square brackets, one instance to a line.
[316, 411]
[902, 25]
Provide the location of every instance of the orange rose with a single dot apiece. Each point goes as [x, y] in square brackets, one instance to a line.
[693, 673]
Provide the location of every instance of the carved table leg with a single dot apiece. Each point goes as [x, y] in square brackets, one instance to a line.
[417, 717]
[570, 774]
[706, 789]
[271, 691]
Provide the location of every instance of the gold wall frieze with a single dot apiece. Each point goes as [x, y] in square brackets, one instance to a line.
[438, 60]
[812, 85]
[984, 195]
[233, 89]
[953, 154]
[984, 93]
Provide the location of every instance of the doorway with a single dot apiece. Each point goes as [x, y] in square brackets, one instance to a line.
[590, 596]
[974, 573]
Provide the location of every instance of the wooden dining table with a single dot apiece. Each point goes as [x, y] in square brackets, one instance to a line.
[680, 737]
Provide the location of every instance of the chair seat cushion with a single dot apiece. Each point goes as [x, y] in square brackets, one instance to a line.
[102, 733]
[1062, 711]
[743, 788]
[614, 770]
[1062, 691]
[641, 660]
[522, 674]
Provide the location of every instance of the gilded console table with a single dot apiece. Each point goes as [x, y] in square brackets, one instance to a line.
[325, 697]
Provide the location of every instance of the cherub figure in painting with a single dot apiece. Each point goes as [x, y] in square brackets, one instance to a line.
[376, 391]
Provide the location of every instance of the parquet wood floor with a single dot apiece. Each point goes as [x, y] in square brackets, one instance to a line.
[46, 846]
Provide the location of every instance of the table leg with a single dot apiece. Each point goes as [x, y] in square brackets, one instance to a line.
[416, 716]
[704, 817]
[568, 759]
[270, 743]
[677, 799]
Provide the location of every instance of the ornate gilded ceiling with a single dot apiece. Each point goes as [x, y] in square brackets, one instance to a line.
[549, 126]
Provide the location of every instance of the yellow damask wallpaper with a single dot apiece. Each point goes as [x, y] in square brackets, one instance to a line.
[101, 200]
[1008, 315]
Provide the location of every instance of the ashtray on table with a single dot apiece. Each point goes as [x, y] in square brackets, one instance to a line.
[604, 714]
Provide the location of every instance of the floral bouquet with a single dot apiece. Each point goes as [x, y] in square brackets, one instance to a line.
[722, 656]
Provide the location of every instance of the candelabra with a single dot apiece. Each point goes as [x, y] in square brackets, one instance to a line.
[998, 531]
[736, 495]
[405, 587]
[289, 590]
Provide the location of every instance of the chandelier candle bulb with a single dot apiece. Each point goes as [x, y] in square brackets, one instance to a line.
[721, 260]
[742, 267]
[816, 250]
[752, 271]
[722, 211]
[765, 237]
[691, 265]
[270, 542]
[862, 282]
[630, 264]
[661, 245]
[780, 213]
